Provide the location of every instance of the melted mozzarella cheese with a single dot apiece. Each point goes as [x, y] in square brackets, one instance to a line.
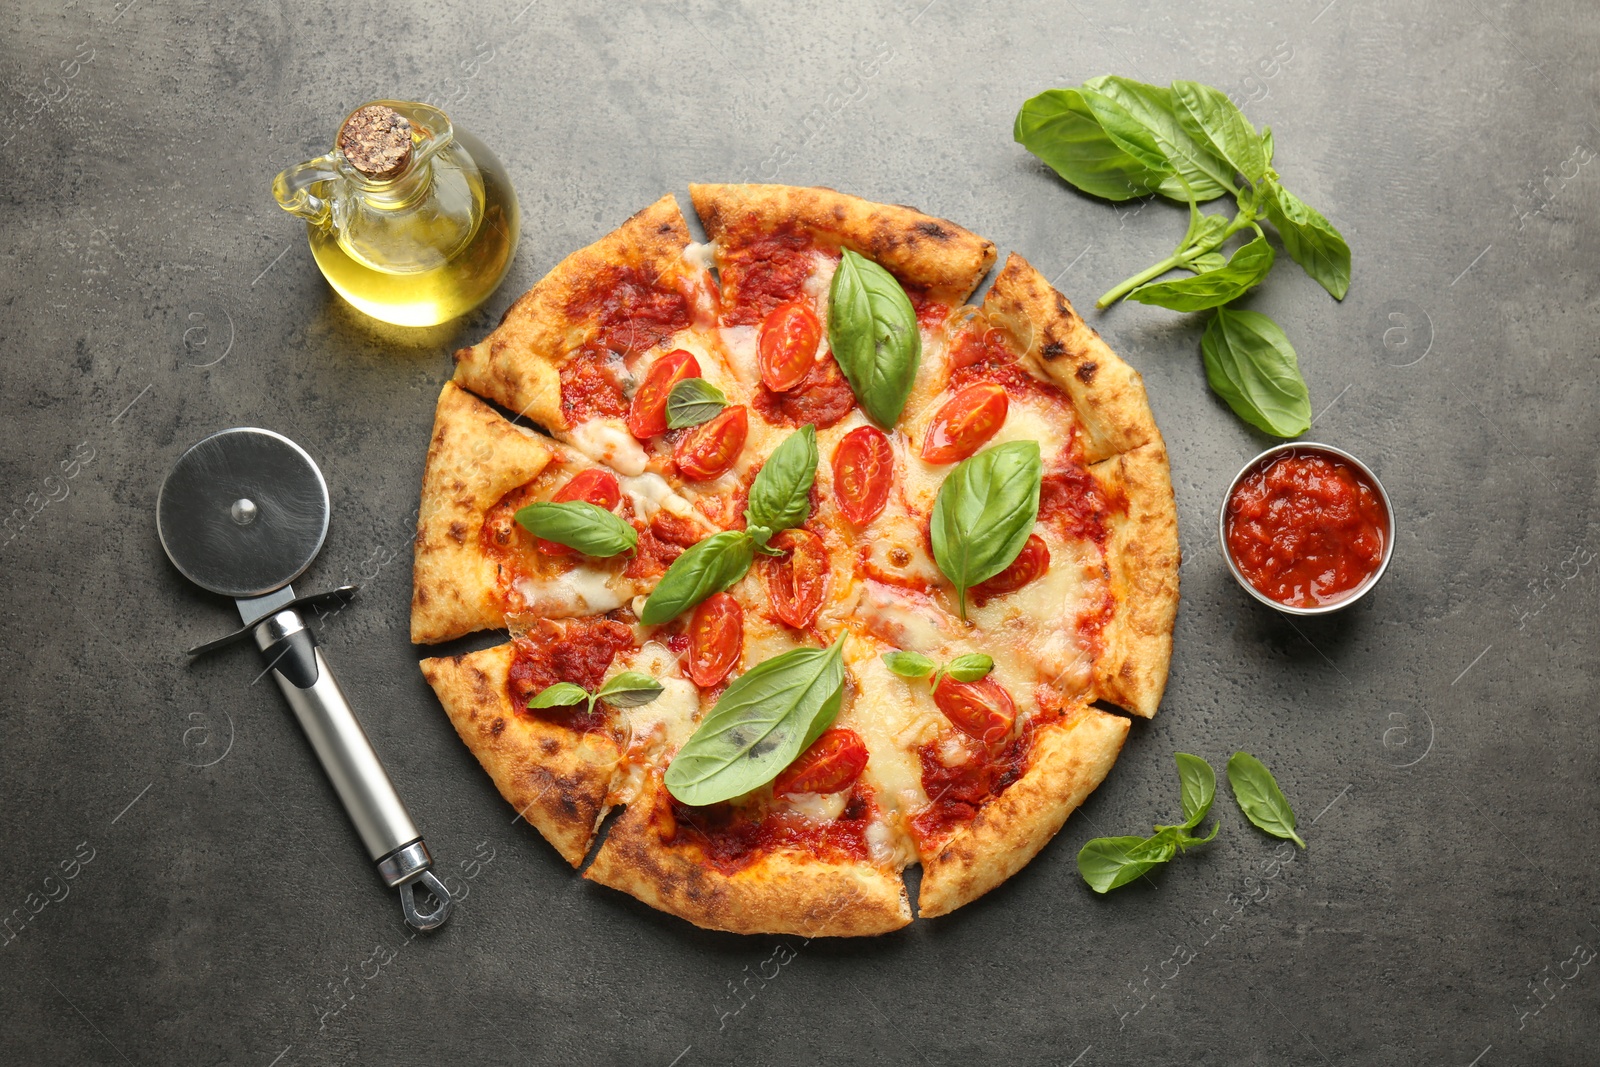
[894, 719]
[819, 281]
[741, 343]
[664, 724]
[583, 590]
[649, 493]
[701, 256]
[607, 440]
[819, 807]
[1031, 419]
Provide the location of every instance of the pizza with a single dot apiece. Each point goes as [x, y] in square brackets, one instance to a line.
[808, 565]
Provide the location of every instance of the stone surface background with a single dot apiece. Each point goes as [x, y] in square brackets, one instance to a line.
[1438, 741]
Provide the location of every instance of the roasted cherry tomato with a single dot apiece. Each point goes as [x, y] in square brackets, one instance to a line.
[789, 339]
[863, 471]
[597, 487]
[647, 416]
[966, 421]
[795, 581]
[710, 448]
[831, 765]
[1032, 562]
[716, 635]
[982, 710]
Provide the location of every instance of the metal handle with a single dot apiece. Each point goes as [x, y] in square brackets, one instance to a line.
[352, 765]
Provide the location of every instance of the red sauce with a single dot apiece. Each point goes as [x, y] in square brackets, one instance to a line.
[930, 313]
[1076, 505]
[632, 310]
[504, 542]
[659, 544]
[731, 839]
[1306, 528]
[762, 272]
[591, 384]
[572, 650]
[823, 397]
[956, 794]
[988, 357]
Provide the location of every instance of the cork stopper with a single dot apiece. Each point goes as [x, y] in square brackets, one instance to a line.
[376, 141]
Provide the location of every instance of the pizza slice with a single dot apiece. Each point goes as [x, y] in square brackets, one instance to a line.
[475, 566]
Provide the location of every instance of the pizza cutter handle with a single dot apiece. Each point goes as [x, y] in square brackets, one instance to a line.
[352, 765]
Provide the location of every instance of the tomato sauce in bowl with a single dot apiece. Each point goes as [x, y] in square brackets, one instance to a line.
[1307, 528]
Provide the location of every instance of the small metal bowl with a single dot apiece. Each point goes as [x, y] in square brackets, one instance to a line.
[1295, 447]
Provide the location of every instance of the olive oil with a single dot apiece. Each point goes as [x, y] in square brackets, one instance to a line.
[411, 221]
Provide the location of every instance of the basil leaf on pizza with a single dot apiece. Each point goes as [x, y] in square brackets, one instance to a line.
[1058, 127]
[766, 718]
[909, 664]
[984, 513]
[973, 667]
[1259, 797]
[693, 401]
[1311, 240]
[709, 566]
[629, 689]
[559, 695]
[1251, 364]
[780, 495]
[1214, 287]
[872, 330]
[580, 525]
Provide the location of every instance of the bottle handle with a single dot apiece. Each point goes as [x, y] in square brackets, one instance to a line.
[292, 188]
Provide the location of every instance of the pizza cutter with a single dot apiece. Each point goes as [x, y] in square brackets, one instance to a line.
[243, 513]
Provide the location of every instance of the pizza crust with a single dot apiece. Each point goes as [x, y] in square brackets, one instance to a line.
[1107, 395]
[518, 365]
[557, 778]
[475, 458]
[1142, 557]
[783, 892]
[1070, 758]
[945, 259]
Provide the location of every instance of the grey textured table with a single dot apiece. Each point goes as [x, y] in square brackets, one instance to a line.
[1438, 741]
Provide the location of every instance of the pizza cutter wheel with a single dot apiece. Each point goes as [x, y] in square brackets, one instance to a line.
[242, 514]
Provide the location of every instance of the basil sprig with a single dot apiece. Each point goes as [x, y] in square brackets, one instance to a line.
[780, 498]
[1118, 139]
[1109, 862]
[628, 689]
[984, 513]
[1259, 797]
[578, 524]
[766, 718]
[1251, 364]
[693, 401]
[972, 667]
[872, 330]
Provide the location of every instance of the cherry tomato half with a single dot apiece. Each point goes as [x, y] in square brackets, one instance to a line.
[966, 421]
[597, 487]
[647, 415]
[710, 448]
[796, 580]
[1032, 562]
[716, 636]
[789, 339]
[831, 765]
[982, 710]
[863, 471]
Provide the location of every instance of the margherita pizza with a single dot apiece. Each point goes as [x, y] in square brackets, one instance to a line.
[813, 568]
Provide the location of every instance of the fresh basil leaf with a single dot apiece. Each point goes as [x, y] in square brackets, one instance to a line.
[1208, 116]
[1142, 119]
[1109, 862]
[1266, 145]
[709, 566]
[1259, 797]
[1058, 127]
[1207, 261]
[1199, 785]
[629, 690]
[1252, 365]
[872, 330]
[1186, 842]
[559, 695]
[909, 664]
[578, 524]
[984, 513]
[972, 667]
[693, 401]
[767, 717]
[780, 495]
[1311, 240]
[1246, 269]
